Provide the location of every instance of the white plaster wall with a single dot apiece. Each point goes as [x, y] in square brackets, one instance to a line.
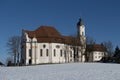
[27, 53]
[57, 58]
[68, 52]
[37, 59]
[35, 48]
[44, 58]
[97, 55]
[51, 58]
[82, 30]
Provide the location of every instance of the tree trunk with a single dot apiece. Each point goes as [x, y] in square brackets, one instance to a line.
[18, 58]
[15, 59]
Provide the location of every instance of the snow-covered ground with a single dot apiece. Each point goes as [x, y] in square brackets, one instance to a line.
[72, 71]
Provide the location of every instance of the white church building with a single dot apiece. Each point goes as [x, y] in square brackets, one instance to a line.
[47, 45]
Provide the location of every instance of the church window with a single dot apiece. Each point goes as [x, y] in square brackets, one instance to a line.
[95, 56]
[57, 46]
[54, 52]
[46, 52]
[65, 54]
[70, 53]
[30, 52]
[71, 47]
[44, 46]
[61, 53]
[41, 52]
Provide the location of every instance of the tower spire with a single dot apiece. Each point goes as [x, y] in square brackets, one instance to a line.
[80, 22]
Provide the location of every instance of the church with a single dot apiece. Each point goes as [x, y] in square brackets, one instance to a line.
[47, 45]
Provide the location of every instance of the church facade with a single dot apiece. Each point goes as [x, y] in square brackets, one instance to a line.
[47, 45]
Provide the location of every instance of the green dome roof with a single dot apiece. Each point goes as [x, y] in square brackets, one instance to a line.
[80, 22]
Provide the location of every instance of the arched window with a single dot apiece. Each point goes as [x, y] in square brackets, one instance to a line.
[54, 52]
[47, 52]
[65, 54]
[30, 52]
[61, 53]
[70, 53]
[57, 46]
[41, 52]
[44, 46]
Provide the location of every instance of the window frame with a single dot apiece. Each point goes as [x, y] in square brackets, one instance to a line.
[54, 53]
[61, 53]
[47, 52]
[41, 52]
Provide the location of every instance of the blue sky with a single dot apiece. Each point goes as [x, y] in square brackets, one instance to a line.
[101, 18]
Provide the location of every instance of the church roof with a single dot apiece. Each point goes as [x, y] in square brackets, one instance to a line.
[44, 31]
[50, 34]
[95, 47]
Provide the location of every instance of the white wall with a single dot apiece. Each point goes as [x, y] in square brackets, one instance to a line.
[97, 55]
[82, 30]
[36, 58]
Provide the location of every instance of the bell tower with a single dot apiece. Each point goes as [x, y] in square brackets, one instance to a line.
[82, 38]
[81, 32]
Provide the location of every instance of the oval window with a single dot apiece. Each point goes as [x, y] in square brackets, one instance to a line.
[57, 46]
[44, 46]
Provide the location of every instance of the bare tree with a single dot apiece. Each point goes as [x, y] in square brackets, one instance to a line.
[90, 40]
[109, 46]
[13, 45]
[9, 61]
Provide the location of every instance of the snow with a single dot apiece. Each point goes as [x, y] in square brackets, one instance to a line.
[71, 71]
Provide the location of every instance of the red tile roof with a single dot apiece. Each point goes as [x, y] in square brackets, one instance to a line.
[95, 47]
[50, 34]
